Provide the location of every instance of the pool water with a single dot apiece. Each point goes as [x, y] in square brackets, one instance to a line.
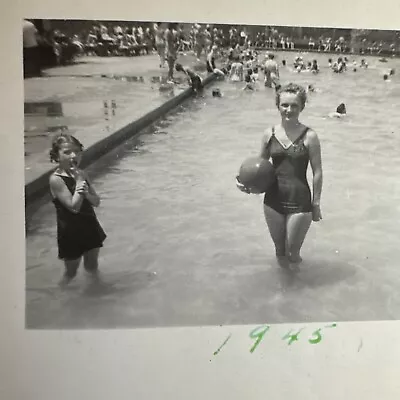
[185, 247]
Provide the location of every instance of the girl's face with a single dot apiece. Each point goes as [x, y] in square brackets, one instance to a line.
[69, 156]
[290, 106]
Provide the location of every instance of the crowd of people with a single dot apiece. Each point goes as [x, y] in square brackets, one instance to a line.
[56, 47]
[118, 40]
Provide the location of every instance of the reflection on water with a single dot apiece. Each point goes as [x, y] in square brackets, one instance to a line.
[170, 205]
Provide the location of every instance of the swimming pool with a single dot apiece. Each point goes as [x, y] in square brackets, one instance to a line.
[185, 247]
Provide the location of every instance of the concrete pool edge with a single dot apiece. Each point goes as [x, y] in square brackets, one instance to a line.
[38, 186]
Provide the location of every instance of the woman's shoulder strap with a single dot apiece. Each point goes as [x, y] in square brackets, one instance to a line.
[304, 133]
[269, 133]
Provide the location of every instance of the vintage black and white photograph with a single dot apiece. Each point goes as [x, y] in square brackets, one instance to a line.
[186, 174]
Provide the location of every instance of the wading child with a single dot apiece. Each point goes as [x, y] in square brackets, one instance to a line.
[79, 233]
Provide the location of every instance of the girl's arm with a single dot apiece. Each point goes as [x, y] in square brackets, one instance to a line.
[72, 202]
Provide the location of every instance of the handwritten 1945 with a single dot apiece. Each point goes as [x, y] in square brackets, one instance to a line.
[259, 332]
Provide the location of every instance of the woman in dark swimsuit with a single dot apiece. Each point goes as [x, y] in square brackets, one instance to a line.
[289, 206]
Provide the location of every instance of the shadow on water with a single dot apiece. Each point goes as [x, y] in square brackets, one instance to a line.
[113, 286]
[316, 273]
[120, 283]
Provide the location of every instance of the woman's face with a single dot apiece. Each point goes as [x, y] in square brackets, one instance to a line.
[290, 106]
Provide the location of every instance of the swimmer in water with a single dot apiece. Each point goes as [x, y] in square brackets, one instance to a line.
[314, 67]
[211, 59]
[271, 71]
[340, 111]
[236, 73]
[79, 233]
[249, 80]
[216, 93]
[386, 78]
[290, 205]
[255, 74]
[194, 79]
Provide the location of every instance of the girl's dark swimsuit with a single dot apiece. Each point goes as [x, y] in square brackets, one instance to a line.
[77, 233]
[290, 193]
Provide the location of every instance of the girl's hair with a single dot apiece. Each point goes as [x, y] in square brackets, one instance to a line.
[292, 88]
[58, 141]
[178, 67]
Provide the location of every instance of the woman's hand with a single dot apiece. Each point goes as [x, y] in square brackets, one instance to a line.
[241, 187]
[316, 213]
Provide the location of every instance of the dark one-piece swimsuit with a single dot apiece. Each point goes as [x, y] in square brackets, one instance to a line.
[290, 193]
[77, 233]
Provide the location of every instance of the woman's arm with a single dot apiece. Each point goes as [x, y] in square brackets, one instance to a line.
[316, 165]
[265, 150]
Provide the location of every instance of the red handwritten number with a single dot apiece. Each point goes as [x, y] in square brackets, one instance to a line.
[258, 333]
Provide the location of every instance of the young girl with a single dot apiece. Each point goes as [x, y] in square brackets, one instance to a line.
[79, 233]
[289, 207]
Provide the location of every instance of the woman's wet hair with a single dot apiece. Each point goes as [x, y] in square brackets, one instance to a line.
[178, 67]
[57, 143]
[298, 90]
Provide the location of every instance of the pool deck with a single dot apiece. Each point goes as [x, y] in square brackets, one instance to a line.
[101, 101]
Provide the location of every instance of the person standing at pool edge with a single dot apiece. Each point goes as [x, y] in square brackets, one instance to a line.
[79, 233]
[289, 207]
[171, 49]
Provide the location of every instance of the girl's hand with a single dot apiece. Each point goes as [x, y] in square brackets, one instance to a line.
[82, 188]
[241, 187]
[77, 174]
[316, 213]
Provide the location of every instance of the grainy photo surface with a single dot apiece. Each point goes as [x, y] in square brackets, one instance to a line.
[193, 174]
